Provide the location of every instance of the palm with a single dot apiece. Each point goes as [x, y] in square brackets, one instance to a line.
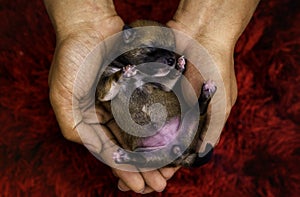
[71, 80]
[73, 73]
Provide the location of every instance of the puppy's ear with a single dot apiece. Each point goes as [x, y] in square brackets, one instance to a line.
[129, 34]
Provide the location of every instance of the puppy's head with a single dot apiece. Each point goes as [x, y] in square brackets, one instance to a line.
[152, 44]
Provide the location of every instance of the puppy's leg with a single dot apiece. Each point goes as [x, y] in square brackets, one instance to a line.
[199, 159]
[109, 86]
[207, 92]
[194, 158]
[127, 157]
[140, 158]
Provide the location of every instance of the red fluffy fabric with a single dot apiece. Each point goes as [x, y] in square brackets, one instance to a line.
[258, 154]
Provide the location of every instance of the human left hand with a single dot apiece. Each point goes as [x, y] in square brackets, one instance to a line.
[80, 26]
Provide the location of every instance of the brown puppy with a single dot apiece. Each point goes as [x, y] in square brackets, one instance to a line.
[148, 128]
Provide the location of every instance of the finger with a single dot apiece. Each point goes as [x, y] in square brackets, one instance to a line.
[147, 190]
[89, 137]
[167, 173]
[122, 186]
[109, 148]
[117, 132]
[93, 135]
[102, 114]
[155, 180]
[133, 180]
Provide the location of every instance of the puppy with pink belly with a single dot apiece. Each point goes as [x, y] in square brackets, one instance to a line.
[168, 134]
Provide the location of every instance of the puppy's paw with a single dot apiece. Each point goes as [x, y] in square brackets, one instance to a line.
[121, 156]
[209, 88]
[203, 157]
[129, 71]
[177, 150]
[181, 64]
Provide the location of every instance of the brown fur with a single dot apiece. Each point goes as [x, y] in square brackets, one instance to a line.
[148, 95]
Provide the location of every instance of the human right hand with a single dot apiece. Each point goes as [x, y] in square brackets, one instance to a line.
[216, 25]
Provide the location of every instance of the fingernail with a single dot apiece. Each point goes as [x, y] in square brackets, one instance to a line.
[121, 188]
[141, 191]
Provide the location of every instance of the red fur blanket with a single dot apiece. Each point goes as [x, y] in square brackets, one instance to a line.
[258, 154]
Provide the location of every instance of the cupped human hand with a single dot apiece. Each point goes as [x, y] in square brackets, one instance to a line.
[76, 38]
[216, 26]
[80, 28]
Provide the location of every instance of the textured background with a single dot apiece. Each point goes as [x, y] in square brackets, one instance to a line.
[258, 154]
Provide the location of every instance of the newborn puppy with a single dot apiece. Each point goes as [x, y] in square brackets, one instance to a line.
[165, 129]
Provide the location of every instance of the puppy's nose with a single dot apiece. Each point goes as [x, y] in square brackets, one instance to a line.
[167, 61]
[170, 61]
